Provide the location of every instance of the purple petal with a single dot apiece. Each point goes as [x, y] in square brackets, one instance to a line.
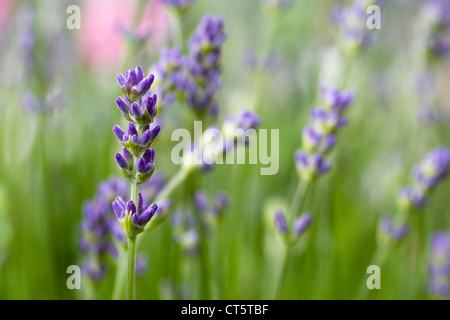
[131, 207]
[121, 80]
[135, 110]
[121, 161]
[132, 129]
[119, 133]
[122, 105]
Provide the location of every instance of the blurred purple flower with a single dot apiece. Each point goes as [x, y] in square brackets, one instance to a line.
[390, 231]
[203, 65]
[439, 266]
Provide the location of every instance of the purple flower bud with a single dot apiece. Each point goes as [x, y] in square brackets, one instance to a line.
[221, 204]
[131, 207]
[329, 142]
[135, 218]
[123, 106]
[311, 138]
[132, 131]
[127, 155]
[334, 99]
[433, 168]
[201, 201]
[155, 132]
[132, 78]
[140, 203]
[145, 137]
[310, 166]
[410, 197]
[135, 110]
[144, 85]
[142, 166]
[139, 73]
[121, 80]
[119, 208]
[280, 222]
[121, 161]
[393, 232]
[150, 105]
[149, 156]
[147, 214]
[301, 224]
[120, 134]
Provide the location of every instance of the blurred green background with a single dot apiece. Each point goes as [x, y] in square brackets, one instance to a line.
[52, 161]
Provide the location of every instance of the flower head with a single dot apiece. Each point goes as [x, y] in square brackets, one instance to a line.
[203, 65]
[433, 168]
[134, 85]
[133, 217]
[390, 232]
[291, 234]
[310, 166]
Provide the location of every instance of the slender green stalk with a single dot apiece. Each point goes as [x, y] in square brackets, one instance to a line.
[205, 273]
[299, 199]
[131, 268]
[284, 271]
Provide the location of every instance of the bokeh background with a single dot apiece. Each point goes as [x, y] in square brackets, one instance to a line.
[57, 91]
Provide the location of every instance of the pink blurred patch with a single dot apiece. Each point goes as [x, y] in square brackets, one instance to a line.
[101, 43]
[5, 11]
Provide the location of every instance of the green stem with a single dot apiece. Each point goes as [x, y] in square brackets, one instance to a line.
[204, 264]
[130, 291]
[284, 271]
[299, 199]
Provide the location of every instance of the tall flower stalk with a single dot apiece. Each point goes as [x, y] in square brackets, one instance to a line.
[136, 160]
[318, 139]
[439, 266]
[411, 200]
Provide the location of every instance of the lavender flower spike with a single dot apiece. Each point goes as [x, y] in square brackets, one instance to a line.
[203, 65]
[439, 266]
[427, 175]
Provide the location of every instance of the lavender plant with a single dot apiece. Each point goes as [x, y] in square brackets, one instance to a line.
[439, 266]
[102, 238]
[354, 36]
[203, 65]
[392, 230]
[136, 160]
[318, 139]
